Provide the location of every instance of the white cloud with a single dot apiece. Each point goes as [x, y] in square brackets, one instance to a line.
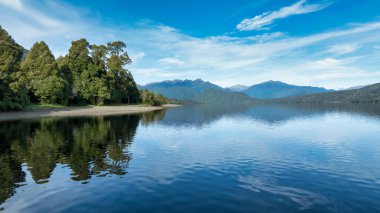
[158, 73]
[171, 61]
[264, 20]
[137, 56]
[57, 24]
[36, 16]
[342, 49]
[330, 63]
[15, 4]
[346, 75]
[267, 36]
[257, 38]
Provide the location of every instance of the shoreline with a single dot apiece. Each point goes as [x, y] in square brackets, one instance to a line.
[81, 111]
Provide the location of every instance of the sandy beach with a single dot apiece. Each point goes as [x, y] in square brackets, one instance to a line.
[81, 111]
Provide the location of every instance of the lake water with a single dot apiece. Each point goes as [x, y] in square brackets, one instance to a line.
[265, 158]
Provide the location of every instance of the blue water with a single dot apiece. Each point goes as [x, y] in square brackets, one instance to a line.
[266, 158]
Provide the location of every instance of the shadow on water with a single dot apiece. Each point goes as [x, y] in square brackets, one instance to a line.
[96, 146]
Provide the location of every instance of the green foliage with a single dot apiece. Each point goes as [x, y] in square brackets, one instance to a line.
[51, 90]
[65, 73]
[11, 97]
[152, 99]
[124, 88]
[82, 69]
[102, 77]
[88, 74]
[40, 75]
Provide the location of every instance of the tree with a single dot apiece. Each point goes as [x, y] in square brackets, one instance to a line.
[87, 75]
[41, 77]
[51, 90]
[12, 97]
[78, 62]
[121, 82]
[65, 73]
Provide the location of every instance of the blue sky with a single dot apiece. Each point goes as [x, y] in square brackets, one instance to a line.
[330, 43]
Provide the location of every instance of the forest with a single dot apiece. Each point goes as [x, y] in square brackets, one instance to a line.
[88, 74]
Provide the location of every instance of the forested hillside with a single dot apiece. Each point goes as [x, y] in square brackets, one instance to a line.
[181, 89]
[368, 94]
[223, 97]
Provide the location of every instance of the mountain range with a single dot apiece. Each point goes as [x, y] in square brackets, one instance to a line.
[266, 92]
[278, 89]
[190, 89]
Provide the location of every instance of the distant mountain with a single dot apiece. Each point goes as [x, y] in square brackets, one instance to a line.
[181, 89]
[368, 94]
[223, 97]
[277, 89]
[237, 88]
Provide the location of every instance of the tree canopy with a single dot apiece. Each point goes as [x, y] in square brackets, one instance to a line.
[87, 74]
[11, 53]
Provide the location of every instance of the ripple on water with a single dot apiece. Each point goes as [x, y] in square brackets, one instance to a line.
[305, 199]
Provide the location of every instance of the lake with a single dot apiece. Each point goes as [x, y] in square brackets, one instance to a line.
[262, 158]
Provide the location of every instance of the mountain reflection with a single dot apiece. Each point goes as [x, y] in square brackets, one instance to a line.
[95, 146]
[270, 114]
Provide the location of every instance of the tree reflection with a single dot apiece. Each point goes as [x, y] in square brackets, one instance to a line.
[10, 174]
[150, 117]
[95, 146]
[43, 150]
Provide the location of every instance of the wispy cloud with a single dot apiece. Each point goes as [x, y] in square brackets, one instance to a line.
[342, 49]
[266, 19]
[48, 21]
[330, 63]
[171, 61]
[257, 38]
[39, 18]
[136, 57]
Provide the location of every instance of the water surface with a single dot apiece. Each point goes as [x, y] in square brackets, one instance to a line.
[264, 158]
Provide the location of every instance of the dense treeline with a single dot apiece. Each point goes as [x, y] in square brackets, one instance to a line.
[151, 98]
[88, 74]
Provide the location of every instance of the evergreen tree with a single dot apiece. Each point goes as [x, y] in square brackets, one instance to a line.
[88, 84]
[41, 77]
[11, 95]
[122, 84]
[65, 73]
